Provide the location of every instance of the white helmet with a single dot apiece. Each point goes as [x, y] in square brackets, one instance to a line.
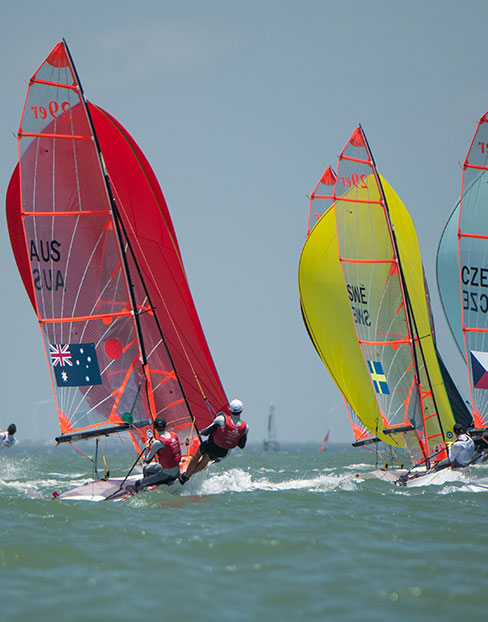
[236, 407]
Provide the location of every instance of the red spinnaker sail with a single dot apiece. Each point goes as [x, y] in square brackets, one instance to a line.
[98, 255]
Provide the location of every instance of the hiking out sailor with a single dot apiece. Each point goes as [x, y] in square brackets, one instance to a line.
[7, 438]
[461, 452]
[165, 448]
[224, 433]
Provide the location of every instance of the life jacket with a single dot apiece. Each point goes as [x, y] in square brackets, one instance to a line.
[229, 435]
[169, 456]
[462, 450]
[7, 440]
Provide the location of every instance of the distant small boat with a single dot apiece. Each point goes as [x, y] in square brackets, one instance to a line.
[271, 442]
[323, 444]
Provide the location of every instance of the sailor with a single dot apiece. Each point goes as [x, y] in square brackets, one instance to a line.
[225, 433]
[165, 447]
[462, 450]
[7, 438]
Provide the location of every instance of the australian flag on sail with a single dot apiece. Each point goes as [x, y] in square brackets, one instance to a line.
[479, 368]
[75, 364]
[378, 377]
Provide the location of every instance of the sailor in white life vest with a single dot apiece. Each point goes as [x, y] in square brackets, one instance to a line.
[225, 433]
[461, 453]
[165, 447]
[7, 438]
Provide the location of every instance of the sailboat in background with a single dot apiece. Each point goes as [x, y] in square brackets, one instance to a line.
[463, 250]
[325, 440]
[98, 256]
[270, 443]
[365, 305]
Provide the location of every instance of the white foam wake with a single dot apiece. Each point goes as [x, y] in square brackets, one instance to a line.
[237, 480]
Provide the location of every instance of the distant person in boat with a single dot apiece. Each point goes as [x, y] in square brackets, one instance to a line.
[225, 433]
[461, 453]
[7, 438]
[165, 447]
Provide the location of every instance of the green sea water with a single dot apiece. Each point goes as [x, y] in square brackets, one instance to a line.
[289, 535]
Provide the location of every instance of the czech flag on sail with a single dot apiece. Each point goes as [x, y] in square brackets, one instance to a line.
[479, 369]
[75, 364]
[378, 377]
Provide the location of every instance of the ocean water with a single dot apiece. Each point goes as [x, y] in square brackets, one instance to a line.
[289, 535]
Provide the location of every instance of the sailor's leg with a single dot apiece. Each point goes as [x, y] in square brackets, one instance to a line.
[193, 463]
[202, 463]
[154, 476]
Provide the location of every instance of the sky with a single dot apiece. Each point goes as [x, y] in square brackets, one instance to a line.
[239, 108]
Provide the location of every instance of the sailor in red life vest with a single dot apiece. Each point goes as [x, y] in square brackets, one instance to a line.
[165, 447]
[225, 433]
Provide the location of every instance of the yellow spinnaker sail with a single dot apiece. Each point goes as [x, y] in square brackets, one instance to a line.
[330, 323]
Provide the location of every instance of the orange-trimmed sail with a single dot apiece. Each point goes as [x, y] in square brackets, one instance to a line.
[378, 298]
[472, 243]
[99, 258]
[364, 304]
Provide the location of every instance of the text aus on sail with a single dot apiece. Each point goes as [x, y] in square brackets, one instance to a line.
[475, 289]
[44, 254]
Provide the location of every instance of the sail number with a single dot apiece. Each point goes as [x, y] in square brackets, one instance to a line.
[41, 112]
[358, 302]
[358, 181]
[44, 254]
[474, 277]
[483, 147]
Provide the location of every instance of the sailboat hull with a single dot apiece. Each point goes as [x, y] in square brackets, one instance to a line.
[113, 489]
[100, 490]
[420, 477]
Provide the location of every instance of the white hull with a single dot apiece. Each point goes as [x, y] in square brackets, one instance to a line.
[117, 488]
[114, 489]
[420, 477]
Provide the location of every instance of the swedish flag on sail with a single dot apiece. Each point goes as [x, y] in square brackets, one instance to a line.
[378, 377]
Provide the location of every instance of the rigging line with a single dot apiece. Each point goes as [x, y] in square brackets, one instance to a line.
[138, 269]
[174, 326]
[409, 312]
[420, 346]
[95, 464]
[125, 478]
[117, 222]
[81, 452]
[119, 228]
[175, 246]
[376, 449]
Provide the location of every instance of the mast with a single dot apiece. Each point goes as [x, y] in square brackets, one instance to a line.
[410, 315]
[271, 443]
[119, 226]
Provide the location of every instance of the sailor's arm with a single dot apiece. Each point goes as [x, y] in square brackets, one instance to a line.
[152, 450]
[218, 422]
[242, 443]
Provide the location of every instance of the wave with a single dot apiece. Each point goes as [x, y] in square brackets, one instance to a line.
[238, 480]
